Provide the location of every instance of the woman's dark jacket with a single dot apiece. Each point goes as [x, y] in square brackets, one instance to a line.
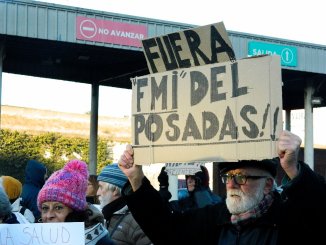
[34, 181]
[295, 217]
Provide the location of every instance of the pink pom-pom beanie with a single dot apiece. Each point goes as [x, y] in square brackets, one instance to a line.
[67, 185]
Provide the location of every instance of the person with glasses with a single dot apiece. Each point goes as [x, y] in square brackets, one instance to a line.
[254, 212]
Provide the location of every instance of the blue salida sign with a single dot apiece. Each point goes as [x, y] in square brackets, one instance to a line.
[288, 54]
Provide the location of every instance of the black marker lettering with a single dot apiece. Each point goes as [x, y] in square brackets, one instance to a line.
[157, 91]
[140, 83]
[151, 56]
[253, 130]
[174, 134]
[191, 129]
[215, 95]
[229, 126]
[183, 63]
[193, 40]
[210, 125]
[139, 122]
[199, 80]
[153, 122]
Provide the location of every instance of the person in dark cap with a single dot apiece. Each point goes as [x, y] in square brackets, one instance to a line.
[122, 227]
[253, 212]
[199, 192]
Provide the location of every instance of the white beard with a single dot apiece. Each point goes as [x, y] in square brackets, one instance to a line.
[238, 202]
[106, 199]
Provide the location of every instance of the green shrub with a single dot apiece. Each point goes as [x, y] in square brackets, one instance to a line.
[53, 149]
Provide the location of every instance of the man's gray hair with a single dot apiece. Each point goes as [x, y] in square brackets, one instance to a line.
[115, 188]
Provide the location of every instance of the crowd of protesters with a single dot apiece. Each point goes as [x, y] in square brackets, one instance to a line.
[71, 194]
[120, 206]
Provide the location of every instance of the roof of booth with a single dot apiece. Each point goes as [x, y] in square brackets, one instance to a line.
[39, 39]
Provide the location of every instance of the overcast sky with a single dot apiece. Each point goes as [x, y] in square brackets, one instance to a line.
[282, 19]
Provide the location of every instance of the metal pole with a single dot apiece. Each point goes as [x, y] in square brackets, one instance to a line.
[288, 120]
[309, 133]
[1, 64]
[92, 166]
[173, 186]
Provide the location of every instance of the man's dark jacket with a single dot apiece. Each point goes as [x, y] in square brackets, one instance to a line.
[295, 217]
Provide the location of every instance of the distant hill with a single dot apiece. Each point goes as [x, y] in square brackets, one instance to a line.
[35, 121]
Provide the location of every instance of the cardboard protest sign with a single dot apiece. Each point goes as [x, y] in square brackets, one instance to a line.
[43, 234]
[193, 47]
[219, 112]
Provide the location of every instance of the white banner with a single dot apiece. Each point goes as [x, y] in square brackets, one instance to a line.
[43, 234]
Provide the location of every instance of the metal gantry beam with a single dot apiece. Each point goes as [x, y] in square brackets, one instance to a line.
[92, 165]
[1, 69]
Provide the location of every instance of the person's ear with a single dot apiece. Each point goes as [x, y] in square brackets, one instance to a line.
[268, 185]
[116, 192]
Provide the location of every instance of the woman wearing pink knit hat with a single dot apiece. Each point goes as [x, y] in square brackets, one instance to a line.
[63, 199]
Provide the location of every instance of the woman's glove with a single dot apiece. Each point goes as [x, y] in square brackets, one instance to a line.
[163, 178]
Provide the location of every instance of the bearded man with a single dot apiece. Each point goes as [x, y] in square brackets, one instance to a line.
[254, 211]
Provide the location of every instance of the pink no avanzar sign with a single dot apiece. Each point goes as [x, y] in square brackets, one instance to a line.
[105, 31]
